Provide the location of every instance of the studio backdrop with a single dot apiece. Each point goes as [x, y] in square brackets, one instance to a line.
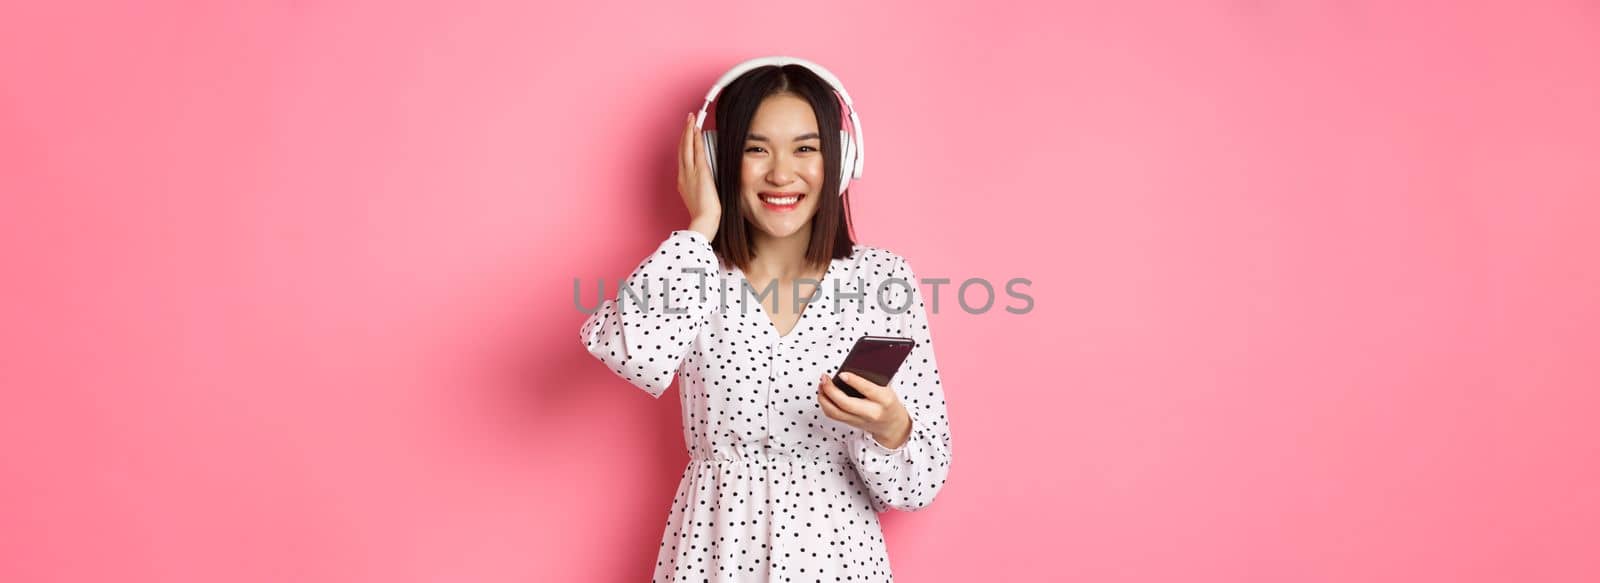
[292, 289]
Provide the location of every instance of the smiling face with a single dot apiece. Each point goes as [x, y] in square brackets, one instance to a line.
[782, 174]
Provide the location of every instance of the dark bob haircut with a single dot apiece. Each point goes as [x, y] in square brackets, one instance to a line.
[735, 107]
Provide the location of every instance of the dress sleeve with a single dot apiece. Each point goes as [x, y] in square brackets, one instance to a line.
[644, 332]
[909, 477]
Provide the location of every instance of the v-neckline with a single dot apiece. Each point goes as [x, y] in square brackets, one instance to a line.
[816, 294]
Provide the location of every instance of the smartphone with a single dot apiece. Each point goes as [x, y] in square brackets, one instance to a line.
[875, 358]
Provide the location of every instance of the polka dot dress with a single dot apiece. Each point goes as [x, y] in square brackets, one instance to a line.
[774, 489]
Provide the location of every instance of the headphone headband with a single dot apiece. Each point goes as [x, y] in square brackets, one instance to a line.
[856, 154]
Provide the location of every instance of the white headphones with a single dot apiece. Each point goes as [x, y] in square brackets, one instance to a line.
[851, 157]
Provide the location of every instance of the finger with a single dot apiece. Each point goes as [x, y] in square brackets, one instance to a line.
[699, 148]
[833, 411]
[857, 407]
[872, 391]
[686, 149]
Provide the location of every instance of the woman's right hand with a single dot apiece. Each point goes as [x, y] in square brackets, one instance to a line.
[696, 184]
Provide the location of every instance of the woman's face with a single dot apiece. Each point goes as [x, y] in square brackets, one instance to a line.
[782, 166]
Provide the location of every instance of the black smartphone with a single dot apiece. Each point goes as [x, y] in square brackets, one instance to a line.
[875, 358]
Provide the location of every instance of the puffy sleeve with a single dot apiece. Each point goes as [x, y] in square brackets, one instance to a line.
[644, 332]
[908, 477]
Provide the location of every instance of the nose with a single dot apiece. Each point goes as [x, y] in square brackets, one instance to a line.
[782, 170]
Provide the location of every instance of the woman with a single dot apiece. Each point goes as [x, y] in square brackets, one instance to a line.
[752, 307]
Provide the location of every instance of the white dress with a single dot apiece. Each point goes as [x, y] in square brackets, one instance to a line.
[774, 489]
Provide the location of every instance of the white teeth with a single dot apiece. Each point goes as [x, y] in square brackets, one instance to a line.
[785, 201]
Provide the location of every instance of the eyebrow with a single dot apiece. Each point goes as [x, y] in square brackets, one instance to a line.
[810, 136]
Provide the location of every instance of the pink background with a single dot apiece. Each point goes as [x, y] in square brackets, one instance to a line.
[288, 289]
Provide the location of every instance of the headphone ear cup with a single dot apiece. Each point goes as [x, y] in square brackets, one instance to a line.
[847, 158]
[711, 151]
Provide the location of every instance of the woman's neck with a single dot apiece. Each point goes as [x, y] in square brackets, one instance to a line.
[781, 258]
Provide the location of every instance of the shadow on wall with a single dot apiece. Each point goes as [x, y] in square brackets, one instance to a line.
[550, 399]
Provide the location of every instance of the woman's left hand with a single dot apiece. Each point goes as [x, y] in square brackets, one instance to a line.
[881, 413]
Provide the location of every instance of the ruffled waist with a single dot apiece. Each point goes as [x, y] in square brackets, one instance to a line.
[765, 456]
